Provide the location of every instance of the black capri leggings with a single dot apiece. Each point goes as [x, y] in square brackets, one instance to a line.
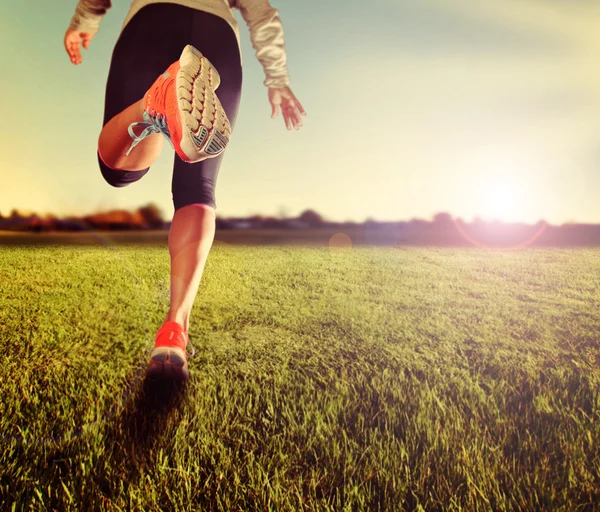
[152, 40]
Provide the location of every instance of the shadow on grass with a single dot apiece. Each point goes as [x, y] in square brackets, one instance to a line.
[134, 439]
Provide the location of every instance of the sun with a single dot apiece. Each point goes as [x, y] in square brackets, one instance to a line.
[504, 189]
[501, 199]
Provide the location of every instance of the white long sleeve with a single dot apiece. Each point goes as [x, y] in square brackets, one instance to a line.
[266, 35]
[88, 15]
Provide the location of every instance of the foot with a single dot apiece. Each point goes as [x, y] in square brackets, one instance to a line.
[183, 106]
[169, 357]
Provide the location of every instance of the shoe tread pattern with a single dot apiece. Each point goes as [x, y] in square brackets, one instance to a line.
[206, 131]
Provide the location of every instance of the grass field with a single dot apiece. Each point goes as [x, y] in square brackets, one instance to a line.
[369, 379]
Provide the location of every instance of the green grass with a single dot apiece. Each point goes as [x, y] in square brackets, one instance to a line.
[374, 379]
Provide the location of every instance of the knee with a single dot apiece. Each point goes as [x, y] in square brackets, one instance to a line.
[118, 178]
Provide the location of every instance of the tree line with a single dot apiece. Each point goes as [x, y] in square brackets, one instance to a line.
[442, 230]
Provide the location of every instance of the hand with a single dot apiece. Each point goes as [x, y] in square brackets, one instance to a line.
[290, 106]
[73, 40]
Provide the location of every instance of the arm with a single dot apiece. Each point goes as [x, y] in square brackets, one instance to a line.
[266, 35]
[84, 26]
[88, 15]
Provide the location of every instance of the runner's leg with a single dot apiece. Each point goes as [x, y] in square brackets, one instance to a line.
[137, 61]
[114, 141]
[193, 186]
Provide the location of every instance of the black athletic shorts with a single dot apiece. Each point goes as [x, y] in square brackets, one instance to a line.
[152, 40]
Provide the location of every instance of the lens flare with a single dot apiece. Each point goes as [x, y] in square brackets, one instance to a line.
[519, 245]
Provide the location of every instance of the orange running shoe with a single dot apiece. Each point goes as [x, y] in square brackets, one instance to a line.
[169, 356]
[183, 106]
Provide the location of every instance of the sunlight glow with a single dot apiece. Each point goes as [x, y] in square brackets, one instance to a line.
[503, 199]
[506, 186]
[505, 189]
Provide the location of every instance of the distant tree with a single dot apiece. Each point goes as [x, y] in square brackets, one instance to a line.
[152, 216]
[311, 217]
[223, 223]
[273, 223]
[256, 221]
[443, 219]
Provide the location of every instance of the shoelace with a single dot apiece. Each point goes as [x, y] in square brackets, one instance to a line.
[153, 124]
[156, 123]
[193, 352]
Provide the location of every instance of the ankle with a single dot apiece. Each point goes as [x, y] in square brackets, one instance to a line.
[181, 317]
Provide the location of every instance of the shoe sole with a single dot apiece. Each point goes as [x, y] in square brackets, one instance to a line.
[168, 363]
[205, 129]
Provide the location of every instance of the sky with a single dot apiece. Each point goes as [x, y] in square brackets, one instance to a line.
[480, 109]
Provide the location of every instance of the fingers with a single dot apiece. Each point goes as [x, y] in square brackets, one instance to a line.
[292, 120]
[291, 115]
[296, 104]
[300, 107]
[75, 53]
[73, 41]
[87, 39]
[287, 119]
[72, 46]
[274, 109]
[291, 109]
[297, 119]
